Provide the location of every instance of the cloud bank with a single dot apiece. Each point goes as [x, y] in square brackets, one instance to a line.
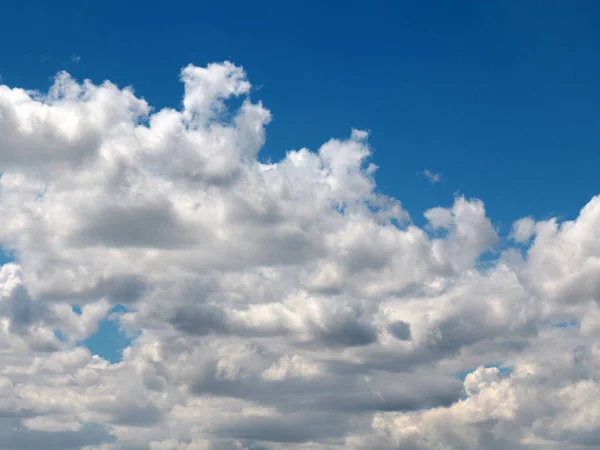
[287, 305]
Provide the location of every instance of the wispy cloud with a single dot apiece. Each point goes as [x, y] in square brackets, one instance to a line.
[431, 176]
[75, 58]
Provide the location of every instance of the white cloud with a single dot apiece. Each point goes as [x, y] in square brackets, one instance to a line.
[523, 229]
[287, 305]
[439, 217]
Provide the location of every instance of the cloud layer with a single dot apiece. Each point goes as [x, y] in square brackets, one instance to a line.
[287, 305]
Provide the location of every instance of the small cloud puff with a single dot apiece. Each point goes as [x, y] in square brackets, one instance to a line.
[523, 229]
[431, 176]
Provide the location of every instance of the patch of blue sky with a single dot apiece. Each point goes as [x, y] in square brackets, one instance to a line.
[572, 323]
[109, 340]
[59, 335]
[6, 257]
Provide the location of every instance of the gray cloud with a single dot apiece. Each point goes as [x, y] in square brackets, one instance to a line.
[400, 330]
[13, 437]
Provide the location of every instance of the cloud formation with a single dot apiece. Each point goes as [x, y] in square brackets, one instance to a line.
[285, 305]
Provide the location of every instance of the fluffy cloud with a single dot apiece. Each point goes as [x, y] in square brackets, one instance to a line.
[285, 305]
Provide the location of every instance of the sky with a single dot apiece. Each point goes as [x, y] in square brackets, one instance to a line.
[299, 226]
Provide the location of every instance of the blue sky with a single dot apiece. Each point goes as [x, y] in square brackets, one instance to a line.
[282, 303]
[500, 97]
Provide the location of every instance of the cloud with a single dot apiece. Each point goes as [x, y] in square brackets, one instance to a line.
[431, 176]
[523, 229]
[284, 305]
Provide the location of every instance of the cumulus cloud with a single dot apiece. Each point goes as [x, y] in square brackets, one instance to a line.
[285, 305]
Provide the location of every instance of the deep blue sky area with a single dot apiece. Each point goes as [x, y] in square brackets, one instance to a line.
[501, 97]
